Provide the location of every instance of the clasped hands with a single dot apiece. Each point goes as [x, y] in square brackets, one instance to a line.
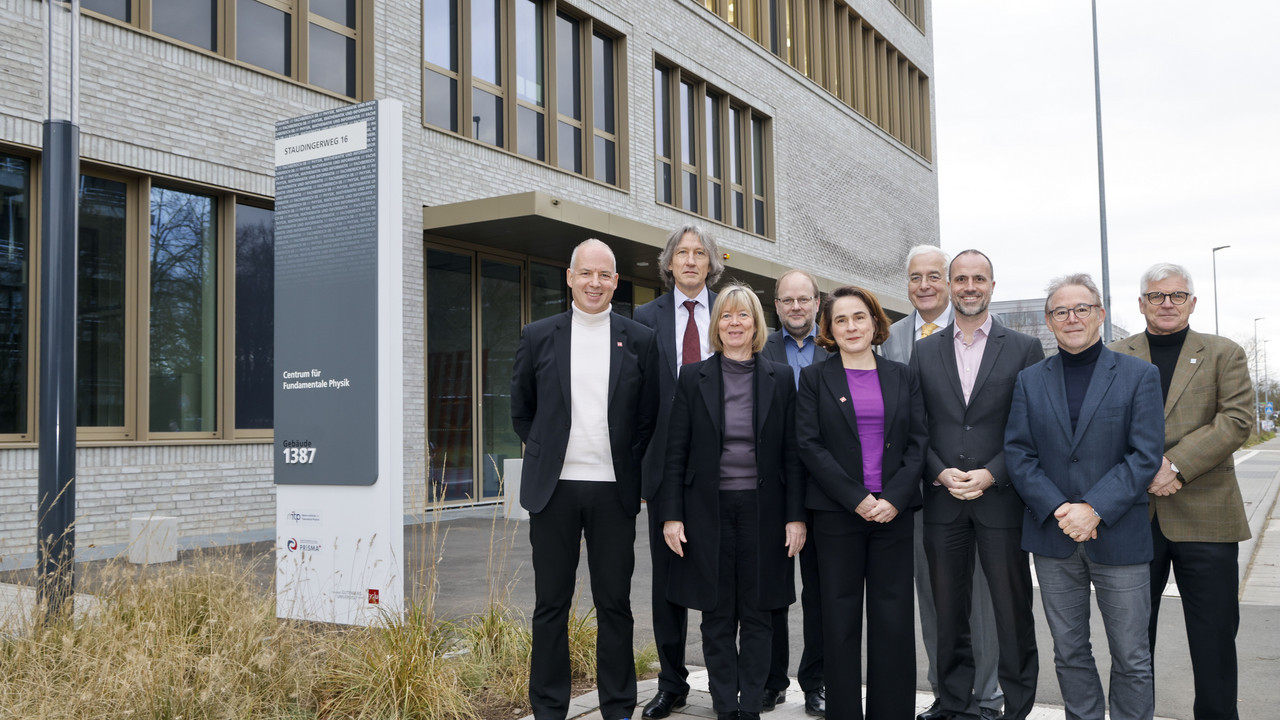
[873, 509]
[1078, 521]
[673, 534]
[966, 485]
[1166, 481]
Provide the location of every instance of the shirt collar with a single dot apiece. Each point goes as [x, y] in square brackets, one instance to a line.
[702, 297]
[984, 328]
[941, 321]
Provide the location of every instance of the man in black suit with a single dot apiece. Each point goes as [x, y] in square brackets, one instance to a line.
[689, 264]
[796, 298]
[584, 402]
[967, 371]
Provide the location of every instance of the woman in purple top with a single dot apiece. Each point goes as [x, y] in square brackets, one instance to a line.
[732, 500]
[861, 430]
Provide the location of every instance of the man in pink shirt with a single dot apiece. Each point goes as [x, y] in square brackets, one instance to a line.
[967, 371]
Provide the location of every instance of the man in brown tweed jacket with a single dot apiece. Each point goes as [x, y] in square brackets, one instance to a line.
[1197, 515]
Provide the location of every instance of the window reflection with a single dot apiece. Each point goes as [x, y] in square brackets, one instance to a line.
[100, 303]
[486, 124]
[262, 36]
[449, 395]
[342, 12]
[15, 200]
[184, 302]
[118, 9]
[500, 300]
[486, 42]
[191, 21]
[333, 61]
[255, 315]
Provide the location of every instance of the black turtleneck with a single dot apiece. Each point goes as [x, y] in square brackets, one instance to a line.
[1164, 355]
[1077, 371]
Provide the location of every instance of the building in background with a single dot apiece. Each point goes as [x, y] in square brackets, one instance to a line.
[1027, 316]
[799, 131]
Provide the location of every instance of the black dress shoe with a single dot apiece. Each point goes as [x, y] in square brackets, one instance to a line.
[772, 698]
[934, 712]
[987, 713]
[663, 703]
[815, 703]
[744, 715]
[729, 715]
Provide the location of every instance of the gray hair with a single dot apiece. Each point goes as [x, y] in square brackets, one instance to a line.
[1081, 279]
[714, 269]
[919, 250]
[817, 293]
[1160, 271]
[573, 259]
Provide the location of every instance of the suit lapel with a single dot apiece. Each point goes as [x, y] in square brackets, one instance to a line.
[991, 353]
[1190, 359]
[617, 343]
[667, 332]
[564, 356]
[711, 388]
[889, 381]
[947, 351]
[1055, 387]
[837, 383]
[1103, 375]
[764, 381]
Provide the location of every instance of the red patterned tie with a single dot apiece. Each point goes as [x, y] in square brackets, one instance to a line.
[692, 350]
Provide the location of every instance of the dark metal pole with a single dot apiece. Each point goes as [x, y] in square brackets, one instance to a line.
[1102, 185]
[56, 490]
[1215, 286]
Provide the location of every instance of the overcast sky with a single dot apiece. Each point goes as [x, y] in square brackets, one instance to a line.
[1190, 117]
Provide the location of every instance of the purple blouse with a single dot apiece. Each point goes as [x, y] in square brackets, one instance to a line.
[868, 407]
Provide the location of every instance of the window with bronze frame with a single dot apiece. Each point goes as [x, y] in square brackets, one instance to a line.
[712, 152]
[838, 50]
[174, 309]
[533, 77]
[323, 43]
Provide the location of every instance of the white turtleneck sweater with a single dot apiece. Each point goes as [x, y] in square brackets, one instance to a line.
[588, 456]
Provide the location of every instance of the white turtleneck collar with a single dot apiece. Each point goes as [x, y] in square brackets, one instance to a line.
[581, 317]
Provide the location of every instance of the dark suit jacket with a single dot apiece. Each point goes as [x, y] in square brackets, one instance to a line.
[690, 489]
[659, 315]
[827, 434]
[1207, 417]
[776, 350]
[1108, 461]
[971, 436]
[541, 409]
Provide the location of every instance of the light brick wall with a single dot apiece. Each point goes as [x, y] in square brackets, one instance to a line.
[849, 200]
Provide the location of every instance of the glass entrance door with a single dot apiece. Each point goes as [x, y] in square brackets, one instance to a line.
[474, 306]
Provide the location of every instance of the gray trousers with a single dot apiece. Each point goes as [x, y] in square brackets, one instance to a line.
[982, 627]
[1124, 599]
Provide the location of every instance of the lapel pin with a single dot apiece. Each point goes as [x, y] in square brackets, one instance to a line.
[842, 399]
[1193, 361]
[620, 344]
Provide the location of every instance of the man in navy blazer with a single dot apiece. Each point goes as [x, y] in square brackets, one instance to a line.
[796, 298]
[584, 401]
[1084, 440]
[689, 264]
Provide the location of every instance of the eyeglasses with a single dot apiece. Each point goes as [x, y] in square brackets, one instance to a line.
[789, 302]
[1081, 311]
[1177, 298]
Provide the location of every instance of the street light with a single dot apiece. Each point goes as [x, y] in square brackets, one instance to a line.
[1215, 286]
[1257, 421]
[1102, 185]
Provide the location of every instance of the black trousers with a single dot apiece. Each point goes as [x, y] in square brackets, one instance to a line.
[860, 560]
[593, 510]
[736, 633]
[1208, 576]
[810, 671]
[950, 548]
[670, 621]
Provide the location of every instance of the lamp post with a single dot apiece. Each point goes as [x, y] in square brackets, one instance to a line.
[56, 487]
[1102, 186]
[1257, 421]
[1215, 285]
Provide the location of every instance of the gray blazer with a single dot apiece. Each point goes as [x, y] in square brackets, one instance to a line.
[902, 337]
